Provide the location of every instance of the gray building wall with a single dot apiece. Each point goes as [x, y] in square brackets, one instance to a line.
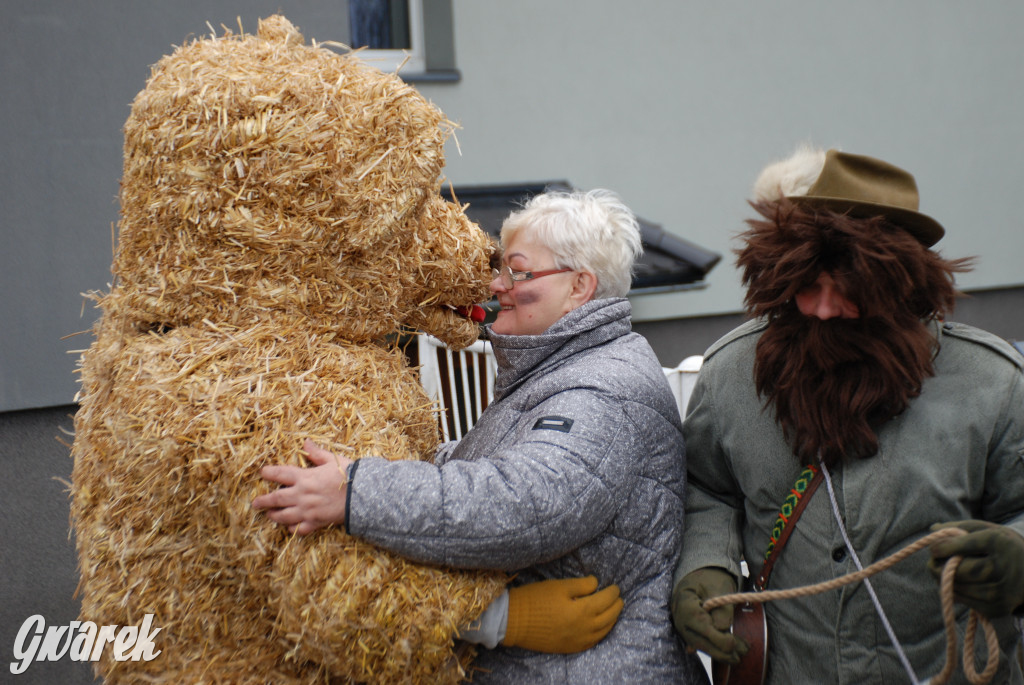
[69, 72]
[675, 105]
[678, 105]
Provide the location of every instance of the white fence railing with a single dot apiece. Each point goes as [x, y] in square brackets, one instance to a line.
[461, 384]
[682, 379]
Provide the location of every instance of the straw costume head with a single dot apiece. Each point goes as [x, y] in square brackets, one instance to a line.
[279, 216]
[831, 383]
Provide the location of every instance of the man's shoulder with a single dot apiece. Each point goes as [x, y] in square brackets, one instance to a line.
[745, 332]
[988, 341]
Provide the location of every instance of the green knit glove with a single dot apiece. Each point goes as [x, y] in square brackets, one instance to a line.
[990, 579]
[561, 616]
[708, 632]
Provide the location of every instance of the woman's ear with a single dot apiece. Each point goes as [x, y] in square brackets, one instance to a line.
[583, 287]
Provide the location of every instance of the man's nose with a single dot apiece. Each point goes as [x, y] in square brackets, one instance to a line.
[828, 304]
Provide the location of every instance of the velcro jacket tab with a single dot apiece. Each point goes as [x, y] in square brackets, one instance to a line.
[553, 423]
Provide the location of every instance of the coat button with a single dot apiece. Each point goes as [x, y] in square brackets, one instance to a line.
[838, 554]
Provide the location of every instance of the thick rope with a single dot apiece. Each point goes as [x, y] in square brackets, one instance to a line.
[945, 595]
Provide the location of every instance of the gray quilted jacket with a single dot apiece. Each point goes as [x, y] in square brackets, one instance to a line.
[576, 468]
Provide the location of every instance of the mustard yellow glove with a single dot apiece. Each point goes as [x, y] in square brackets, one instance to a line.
[703, 630]
[990, 579]
[561, 616]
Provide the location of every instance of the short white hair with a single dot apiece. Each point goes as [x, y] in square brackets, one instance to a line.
[586, 231]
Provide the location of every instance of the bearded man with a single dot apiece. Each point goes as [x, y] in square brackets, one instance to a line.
[848, 369]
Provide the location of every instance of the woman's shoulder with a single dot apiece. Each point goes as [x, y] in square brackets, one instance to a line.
[624, 370]
[630, 353]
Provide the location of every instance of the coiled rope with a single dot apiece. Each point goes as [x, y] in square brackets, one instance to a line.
[945, 595]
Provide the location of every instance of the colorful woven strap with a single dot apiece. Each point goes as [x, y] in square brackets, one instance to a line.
[789, 505]
[790, 511]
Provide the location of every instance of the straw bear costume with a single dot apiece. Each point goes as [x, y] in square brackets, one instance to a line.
[279, 217]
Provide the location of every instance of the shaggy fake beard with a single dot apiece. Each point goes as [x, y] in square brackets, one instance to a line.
[834, 382]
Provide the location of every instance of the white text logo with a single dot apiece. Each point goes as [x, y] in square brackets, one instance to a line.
[81, 641]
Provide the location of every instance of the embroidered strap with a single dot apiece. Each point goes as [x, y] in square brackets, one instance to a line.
[789, 512]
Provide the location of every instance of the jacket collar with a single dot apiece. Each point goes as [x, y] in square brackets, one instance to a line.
[521, 356]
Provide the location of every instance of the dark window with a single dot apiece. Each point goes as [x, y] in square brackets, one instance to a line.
[379, 24]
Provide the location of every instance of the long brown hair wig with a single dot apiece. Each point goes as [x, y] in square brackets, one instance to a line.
[833, 382]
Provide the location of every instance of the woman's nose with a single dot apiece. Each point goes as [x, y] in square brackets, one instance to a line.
[496, 284]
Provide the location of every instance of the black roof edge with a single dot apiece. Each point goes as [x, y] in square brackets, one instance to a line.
[692, 262]
[654, 235]
[516, 190]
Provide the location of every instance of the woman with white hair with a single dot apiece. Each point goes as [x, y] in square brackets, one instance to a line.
[576, 468]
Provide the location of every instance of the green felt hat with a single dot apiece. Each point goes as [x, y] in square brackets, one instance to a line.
[866, 187]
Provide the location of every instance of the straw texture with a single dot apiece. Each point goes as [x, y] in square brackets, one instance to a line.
[279, 217]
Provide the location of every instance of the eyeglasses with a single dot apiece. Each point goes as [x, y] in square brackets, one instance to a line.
[509, 277]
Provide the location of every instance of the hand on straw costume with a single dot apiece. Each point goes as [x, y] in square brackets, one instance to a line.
[990, 579]
[701, 629]
[561, 616]
[313, 497]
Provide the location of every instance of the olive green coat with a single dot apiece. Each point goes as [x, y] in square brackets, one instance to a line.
[956, 453]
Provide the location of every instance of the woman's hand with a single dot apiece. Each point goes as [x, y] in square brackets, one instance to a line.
[312, 497]
[561, 616]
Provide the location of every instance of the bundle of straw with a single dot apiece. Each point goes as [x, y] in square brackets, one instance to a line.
[279, 215]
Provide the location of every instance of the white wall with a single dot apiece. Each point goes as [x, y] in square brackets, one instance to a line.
[677, 105]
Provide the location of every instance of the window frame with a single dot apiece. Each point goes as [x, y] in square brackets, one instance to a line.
[409, 61]
[431, 57]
